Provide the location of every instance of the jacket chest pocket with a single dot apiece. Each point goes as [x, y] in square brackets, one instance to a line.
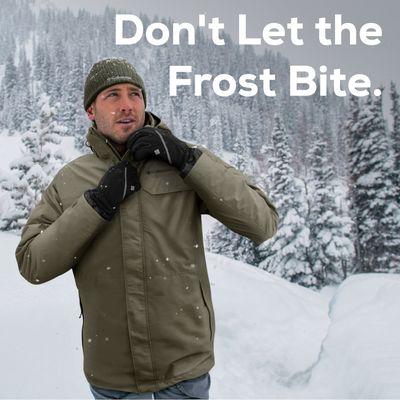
[163, 180]
[170, 223]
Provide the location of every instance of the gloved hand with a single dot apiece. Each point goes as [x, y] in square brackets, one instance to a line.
[119, 182]
[158, 143]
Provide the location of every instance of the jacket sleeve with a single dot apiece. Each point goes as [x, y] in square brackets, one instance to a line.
[53, 240]
[228, 196]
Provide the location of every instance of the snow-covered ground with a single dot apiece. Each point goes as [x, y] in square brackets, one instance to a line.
[273, 339]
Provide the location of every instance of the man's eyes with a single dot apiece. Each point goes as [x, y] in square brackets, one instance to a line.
[113, 94]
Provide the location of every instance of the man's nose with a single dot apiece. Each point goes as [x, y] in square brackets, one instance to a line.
[126, 103]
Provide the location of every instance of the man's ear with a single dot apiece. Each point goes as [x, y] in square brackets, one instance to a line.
[90, 112]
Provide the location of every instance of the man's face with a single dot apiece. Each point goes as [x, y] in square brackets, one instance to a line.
[118, 111]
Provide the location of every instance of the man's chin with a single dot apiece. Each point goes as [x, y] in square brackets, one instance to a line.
[122, 138]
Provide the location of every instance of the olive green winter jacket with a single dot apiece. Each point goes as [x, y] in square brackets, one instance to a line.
[148, 319]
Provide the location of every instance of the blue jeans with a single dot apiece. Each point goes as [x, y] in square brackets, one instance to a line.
[196, 388]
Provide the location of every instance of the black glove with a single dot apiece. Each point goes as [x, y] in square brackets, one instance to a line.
[161, 144]
[119, 182]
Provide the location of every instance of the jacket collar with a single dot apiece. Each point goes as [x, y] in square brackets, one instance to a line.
[102, 147]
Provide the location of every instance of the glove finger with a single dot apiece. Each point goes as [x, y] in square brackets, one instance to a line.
[139, 135]
[113, 174]
[142, 153]
[139, 144]
[143, 142]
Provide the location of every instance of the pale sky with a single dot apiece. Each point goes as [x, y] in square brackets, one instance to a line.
[380, 63]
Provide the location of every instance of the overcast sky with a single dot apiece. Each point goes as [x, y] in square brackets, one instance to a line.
[380, 63]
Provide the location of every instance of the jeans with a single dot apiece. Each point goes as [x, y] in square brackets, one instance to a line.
[196, 388]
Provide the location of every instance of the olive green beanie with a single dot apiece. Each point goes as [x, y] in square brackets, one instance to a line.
[108, 72]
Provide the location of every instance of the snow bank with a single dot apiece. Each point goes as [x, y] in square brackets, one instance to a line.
[361, 354]
[267, 330]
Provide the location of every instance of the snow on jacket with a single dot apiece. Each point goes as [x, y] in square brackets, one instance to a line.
[148, 319]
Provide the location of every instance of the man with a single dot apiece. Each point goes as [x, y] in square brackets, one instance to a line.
[127, 220]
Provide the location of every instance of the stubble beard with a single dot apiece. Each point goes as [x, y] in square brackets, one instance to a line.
[118, 134]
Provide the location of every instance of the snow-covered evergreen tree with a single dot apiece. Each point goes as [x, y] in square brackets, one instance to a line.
[373, 194]
[395, 136]
[34, 170]
[330, 244]
[71, 112]
[38, 62]
[286, 253]
[214, 130]
[352, 139]
[24, 95]
[9, 83]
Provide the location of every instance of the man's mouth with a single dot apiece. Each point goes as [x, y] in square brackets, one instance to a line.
[126, 121]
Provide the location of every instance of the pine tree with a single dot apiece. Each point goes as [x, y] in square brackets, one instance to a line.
[24, 93]
[39, 62]
[215, 141]
[10, 75]
[352, 138]
[286, 253]
[72, 114]
[395, 136]
[9, 114]
[330, 245]
[255, 128]
[374, 204]
[61, 69]
[48, 76]
[34, 170]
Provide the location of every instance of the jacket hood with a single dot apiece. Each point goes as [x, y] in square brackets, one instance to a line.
[101, 146]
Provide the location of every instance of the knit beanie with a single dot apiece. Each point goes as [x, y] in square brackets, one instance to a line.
[108, 72]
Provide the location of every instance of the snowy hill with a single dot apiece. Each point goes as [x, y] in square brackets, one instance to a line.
[273, 338]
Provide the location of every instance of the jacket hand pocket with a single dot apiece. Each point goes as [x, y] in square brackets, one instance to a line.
[210, 311]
